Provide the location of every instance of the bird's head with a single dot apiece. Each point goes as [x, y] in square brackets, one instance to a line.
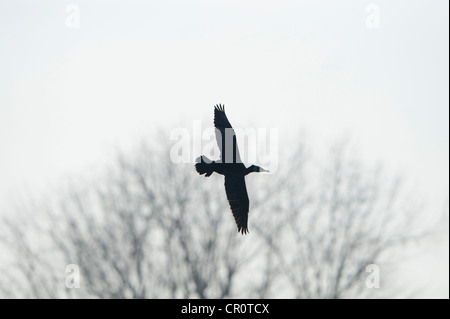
[255, 169]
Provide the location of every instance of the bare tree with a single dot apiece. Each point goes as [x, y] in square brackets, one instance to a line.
[149, 228]
[332, 220]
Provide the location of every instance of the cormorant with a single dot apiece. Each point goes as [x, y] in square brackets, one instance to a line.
[231, 166]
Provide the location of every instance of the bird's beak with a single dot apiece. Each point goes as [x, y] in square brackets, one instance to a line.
[265, 170]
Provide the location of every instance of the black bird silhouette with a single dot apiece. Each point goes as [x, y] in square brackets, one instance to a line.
[231, 166]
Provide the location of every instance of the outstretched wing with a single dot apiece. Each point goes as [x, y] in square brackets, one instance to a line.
[225, 137]
[238, 200]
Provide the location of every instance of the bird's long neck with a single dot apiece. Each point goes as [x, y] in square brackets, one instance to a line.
[250, 169]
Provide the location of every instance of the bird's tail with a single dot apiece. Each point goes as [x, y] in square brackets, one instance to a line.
[204, 166]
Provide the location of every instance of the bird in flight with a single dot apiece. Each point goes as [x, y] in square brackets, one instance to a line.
[231, 166]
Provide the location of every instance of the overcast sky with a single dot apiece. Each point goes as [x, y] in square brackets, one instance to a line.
[377, 71]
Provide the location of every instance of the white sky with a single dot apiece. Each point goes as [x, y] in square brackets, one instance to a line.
[67, 95]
